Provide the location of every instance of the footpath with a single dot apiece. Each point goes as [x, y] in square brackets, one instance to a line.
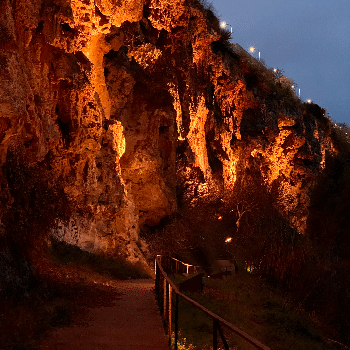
[130, 322]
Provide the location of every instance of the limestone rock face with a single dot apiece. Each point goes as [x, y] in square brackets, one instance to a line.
[111, 111]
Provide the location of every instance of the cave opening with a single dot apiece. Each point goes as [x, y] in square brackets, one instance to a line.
[146, 10]
[307, 162]
[40, 27]
[64, 128]
[162, 38]
[214, 161]
[67, 28]
[163, 129]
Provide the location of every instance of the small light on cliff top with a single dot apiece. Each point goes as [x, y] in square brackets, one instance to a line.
[228, 239]
[275, 70]
[292, 86]
[308, 101]
[252, 49]
[224, 24]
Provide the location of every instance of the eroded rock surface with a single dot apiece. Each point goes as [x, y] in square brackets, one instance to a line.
[111, 112]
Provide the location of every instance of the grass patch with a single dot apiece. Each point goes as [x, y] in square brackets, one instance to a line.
[112, 267]
[24, 323]
[60, 295]
[256, 307]
[178, 278]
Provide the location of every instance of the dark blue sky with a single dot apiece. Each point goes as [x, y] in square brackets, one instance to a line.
[308, 39]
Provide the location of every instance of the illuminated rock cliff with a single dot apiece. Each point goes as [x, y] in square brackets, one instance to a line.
[114, 111]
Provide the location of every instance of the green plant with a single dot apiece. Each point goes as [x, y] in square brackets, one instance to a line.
[23, 322]
[114, 267]
[182, 343]
[328, 224]
[213, 22]
[255, 306]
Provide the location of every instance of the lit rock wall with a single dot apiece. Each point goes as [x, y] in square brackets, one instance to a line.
[113, 111]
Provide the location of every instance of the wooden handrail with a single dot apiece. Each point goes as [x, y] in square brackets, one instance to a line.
[171, 260]
[217, 320]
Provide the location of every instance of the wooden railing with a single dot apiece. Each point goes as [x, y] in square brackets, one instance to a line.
[172, 265]
[166, 291]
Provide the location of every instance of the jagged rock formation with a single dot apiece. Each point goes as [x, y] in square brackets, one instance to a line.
[114, 111]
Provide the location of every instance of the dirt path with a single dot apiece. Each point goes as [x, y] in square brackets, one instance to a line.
[128, 321]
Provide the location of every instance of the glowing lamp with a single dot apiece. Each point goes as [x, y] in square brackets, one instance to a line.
[308, 101]
[249, 266]
[224, 24]
[252, 49]
[228, 240]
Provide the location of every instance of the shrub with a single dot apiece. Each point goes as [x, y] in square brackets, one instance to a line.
[253, 305]
[113, 267]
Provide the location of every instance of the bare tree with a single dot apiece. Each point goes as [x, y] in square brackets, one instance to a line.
[243, 207]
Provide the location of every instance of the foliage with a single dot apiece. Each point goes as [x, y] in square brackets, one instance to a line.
[282, 92]
[113, 267]
[260, 234]
[340, 135]
[36, 203]
[24, 323]
[186, 237]
[328, 232]
[271, 82]
[313, 112]
[252, 304]
[182, 343]
[212, 20]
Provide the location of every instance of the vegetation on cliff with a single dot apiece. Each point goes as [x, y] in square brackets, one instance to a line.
[254, 305]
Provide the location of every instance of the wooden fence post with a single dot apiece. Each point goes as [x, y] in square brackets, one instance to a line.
[164, 299]
[157, 282]
[215, 336]
[165, 304]
[170, 315]
[176, 319]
